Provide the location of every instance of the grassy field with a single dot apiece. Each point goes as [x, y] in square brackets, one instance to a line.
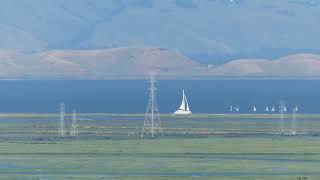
[110, 147]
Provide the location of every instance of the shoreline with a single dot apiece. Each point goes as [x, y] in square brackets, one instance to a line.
[199, 116]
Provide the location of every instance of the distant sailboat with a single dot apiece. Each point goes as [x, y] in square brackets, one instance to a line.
[273, 109]
[254, 109]
[296, 109]
[237, 109]
[184, 108]
[231, 108]
[267, 109]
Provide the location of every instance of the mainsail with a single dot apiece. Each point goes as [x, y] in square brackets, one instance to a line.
[183, 103]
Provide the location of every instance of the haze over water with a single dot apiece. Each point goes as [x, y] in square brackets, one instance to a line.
[204, 96]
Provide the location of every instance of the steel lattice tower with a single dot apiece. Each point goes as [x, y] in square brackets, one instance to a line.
[152, 122]
[74, 131]
[293, 122]
[282, 111]
[61, 114]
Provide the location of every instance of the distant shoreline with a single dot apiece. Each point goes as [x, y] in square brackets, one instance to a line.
[198, 116]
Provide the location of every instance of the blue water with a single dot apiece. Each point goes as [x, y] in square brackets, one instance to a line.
[205, 96]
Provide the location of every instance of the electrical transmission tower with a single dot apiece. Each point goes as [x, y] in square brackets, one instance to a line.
[61, 114]
[282, 110]
[74, 131]
[293, 122]
[152, 122]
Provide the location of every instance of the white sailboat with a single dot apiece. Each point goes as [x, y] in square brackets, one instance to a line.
[237, 109]
[184, 108]
[254, 109]
[273, 109]
[231, 108]
[267, 109]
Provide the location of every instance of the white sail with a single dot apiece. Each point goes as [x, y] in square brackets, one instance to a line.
[267, 109]
[254, 109]
[237, 109]
[231, 109]
[273, 109]
[183, 103]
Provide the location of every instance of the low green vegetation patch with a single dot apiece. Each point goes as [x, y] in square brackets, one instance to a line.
[194, 147]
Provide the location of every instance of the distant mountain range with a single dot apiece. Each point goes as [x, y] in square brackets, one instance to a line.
[115, 63]
[138, 63]
[206, 30]
[298, 65]
[175, 38]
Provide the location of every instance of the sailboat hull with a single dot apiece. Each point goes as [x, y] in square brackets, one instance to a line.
[182, 112]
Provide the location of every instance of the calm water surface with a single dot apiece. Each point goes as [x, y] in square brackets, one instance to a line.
[205, 96]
